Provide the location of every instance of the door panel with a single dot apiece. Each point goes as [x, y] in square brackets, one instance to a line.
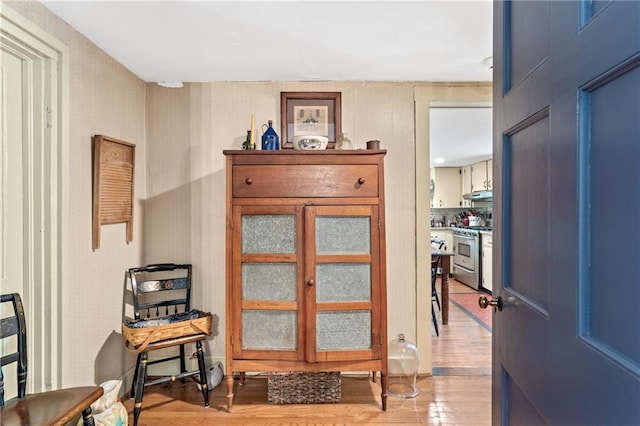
[527, 153]
[529, 24]
[612, 150]
[521, 411]
[566, 143]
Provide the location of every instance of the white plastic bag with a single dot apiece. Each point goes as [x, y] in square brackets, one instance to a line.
[107, 410]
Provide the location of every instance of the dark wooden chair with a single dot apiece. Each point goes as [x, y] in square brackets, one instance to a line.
[162, 294]
[57, 407]
[435, 266]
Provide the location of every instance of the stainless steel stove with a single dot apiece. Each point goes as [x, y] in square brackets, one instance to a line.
[466, 259]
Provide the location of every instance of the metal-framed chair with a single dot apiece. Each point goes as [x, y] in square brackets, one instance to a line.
[161, 296]
[57, 407]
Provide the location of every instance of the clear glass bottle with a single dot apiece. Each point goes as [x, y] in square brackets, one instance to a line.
[403, 368]
[343, 142]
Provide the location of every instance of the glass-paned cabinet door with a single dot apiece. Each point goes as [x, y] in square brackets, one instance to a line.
[266, 272]
[342, 262]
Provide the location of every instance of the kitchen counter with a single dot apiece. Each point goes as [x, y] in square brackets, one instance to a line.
[453, 228]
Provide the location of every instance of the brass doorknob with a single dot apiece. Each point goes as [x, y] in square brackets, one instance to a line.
[496, 303]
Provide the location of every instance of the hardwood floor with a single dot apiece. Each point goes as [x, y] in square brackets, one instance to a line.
[459, 392]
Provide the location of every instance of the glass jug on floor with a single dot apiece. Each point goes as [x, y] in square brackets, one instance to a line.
[403, 368]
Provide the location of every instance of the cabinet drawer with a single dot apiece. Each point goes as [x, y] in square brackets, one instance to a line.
[308, 180]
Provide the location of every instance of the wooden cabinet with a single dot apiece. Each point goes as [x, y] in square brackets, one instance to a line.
[446, 187]
[465, 184]
[487, 259]
[480, 176]
[489, 174]
[305, 283]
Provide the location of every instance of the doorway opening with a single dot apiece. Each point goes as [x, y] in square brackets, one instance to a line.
[426, 98]
[35, 92]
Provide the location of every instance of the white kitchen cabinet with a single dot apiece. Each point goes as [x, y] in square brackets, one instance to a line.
[445, 189]
[480, 176]
[445, 235]
[487, 256]
[489, 174]
[465, 184]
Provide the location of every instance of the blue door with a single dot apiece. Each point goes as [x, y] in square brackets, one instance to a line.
[567, 201]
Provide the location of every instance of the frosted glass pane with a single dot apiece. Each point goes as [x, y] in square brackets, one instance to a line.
[269, 281]
[339, 282]
[343, 235]
[268, 234]
[343, 330]
[269, 330]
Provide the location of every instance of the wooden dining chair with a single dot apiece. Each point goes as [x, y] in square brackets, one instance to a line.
[161, 295]
[435, 266]
[57, 407]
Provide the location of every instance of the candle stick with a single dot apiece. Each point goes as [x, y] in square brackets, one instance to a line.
[253, 133]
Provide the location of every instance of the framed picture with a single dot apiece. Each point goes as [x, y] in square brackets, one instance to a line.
[310, 113]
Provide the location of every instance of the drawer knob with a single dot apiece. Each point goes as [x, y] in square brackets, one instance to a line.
[248, 181]
[361, 180]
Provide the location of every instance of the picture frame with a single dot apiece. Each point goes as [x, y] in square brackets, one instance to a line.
[310, 113]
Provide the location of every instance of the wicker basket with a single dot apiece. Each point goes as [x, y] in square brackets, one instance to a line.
[139, 338]
[303, 388]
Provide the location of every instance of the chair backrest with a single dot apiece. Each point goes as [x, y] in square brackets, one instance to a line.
[160, 290]
[435, 260]
[13, 323]
[436, 243]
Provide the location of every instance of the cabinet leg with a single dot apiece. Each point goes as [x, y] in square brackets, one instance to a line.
[229, 391]
[383, 383]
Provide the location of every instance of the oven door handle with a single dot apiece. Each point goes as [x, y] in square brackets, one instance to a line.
[465, 237]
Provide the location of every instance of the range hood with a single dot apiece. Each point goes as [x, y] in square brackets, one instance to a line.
[479, 196]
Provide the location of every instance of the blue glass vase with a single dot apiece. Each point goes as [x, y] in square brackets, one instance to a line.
[270, 139]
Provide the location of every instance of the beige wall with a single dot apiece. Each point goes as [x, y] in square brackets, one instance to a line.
[180, 135]
[189, 128]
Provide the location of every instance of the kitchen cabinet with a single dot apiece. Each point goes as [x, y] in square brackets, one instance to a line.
[445, 235]
[487, 258]
[445, 187]
[305, 274]
[481, 174]
[465, 183]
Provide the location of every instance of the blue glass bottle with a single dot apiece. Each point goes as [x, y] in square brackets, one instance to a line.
[270, 139]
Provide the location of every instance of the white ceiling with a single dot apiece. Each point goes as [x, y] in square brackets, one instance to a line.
[304, 40]
[462, 135]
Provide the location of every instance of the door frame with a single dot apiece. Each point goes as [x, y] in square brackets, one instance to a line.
[437, 94]
[46, 206]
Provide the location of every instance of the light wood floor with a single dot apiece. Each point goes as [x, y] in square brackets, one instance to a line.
[459, 393]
